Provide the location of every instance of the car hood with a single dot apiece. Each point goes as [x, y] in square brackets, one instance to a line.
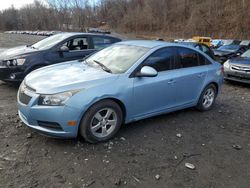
[240, 61]
[16, 52]
[63, 77]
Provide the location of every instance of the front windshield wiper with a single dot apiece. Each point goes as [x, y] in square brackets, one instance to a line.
[104, 67]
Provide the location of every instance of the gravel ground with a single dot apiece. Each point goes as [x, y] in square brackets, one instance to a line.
[148, 153]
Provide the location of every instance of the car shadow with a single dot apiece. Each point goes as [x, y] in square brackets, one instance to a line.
[169, 121]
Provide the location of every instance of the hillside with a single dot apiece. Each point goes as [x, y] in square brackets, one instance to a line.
[173, 18]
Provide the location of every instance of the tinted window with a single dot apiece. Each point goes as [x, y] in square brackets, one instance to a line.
[203, 60]
[101, 42]
[187, 58]
[161, 60]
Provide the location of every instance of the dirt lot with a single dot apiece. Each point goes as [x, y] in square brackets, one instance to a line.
[140, 152]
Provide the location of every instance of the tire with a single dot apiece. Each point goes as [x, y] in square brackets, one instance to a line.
[104, 115]
[207, 98]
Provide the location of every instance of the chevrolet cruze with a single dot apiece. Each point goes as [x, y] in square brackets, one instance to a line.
[125, 82]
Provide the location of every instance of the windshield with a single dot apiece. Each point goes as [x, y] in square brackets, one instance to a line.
[229, 48]
[49, 42]
[118, 58]
[246, 54]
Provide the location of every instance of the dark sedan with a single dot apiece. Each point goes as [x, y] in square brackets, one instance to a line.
[238, 69]
[202, 47]
[226, 52]
[16, 63]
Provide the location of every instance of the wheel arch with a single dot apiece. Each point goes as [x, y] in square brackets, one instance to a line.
[216, 86]
[117, 101]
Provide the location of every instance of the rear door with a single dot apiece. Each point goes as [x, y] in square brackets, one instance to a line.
[192, 70]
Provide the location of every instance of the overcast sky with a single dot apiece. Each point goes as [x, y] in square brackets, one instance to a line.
[17, 3]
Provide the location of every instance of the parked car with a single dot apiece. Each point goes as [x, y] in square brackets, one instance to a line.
[98, 30]
[231, 42]
[226, 52]
[245, 43]
[238, 69]
[203, 40]
[16, 63]
[216, 43]
[125, 82]
[203, 47]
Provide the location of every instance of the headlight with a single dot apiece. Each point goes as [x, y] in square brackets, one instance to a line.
[226, 64]
[15, 62]
[20, 62]
[58, 99]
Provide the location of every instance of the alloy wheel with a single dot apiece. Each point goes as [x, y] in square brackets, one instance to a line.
[103, 123]
[208, 98]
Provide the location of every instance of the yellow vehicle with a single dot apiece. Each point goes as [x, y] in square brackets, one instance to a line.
[203, 40]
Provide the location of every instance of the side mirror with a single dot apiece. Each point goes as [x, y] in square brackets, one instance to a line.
[147, 71]
[63, 49]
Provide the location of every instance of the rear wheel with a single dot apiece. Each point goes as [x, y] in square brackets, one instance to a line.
[101, 122]
[207, 98]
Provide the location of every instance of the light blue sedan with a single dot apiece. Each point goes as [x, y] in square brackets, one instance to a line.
[126, 82]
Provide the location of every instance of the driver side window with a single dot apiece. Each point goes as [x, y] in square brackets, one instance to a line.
[161, 60]
[80, 43]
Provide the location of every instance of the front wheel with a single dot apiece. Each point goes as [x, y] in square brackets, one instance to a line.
[101, 122]
[207, 98]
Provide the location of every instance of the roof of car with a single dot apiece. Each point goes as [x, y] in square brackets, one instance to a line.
[189, 43]
[147, 43]
[79, 33]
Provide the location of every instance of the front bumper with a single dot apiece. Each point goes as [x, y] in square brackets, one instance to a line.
[237, 76]
[6, 74]
[32, 114]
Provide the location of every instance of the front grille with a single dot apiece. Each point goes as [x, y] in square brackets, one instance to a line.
[241, 68]
[25, 94]
[50, 125]
[23, 98]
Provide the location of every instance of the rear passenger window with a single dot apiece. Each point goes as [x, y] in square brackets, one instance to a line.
[187, 58]
[161, 60]
[203, 60]
[101, 42]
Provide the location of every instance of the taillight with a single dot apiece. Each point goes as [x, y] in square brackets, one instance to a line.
[222, 69]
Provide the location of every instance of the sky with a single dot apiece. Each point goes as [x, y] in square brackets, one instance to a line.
[17, 3]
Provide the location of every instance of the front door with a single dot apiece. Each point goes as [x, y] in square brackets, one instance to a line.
[156, 94]
[78, 48]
